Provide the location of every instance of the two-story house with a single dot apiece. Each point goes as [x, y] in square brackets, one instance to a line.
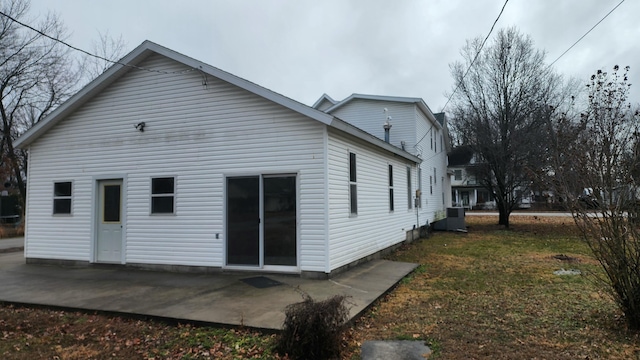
[408, 124]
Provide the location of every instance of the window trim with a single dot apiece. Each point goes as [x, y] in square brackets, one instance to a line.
[409, 189]
[430, 185]
[353, 184]
[390, 186]
[162, 195]
[62, 197]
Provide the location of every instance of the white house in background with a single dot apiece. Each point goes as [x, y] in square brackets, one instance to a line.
[466, 191]
[164, 161]
[409, 124]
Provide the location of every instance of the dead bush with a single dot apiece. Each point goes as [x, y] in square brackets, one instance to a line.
[313, 329]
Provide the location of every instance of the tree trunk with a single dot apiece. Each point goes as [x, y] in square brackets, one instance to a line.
[503, 218]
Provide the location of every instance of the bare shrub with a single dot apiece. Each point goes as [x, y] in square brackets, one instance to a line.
[313, 329]
[597, 170]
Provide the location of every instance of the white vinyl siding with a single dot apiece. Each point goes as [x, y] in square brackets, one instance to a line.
[369, 116]
[375, 228]
[432, 202]
[419, 134]
[200, 134]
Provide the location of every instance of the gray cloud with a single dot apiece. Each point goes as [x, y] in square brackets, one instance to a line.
[302, 49]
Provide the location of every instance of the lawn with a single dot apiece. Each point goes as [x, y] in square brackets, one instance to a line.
[490, 293]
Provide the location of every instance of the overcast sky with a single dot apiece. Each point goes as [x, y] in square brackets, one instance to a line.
[303, 49]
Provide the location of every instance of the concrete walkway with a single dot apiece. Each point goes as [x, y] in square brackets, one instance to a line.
[214, 298]
[11, 244]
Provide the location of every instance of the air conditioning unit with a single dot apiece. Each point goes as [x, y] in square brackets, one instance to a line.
[453, 222]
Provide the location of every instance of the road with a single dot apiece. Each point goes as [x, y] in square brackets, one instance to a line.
[520, 213]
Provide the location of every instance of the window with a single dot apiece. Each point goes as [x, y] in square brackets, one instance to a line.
[162, 195]
[457, 174]
[435, 176]
[441, 142]
[409, 196]
[390, 187]
[435, 147]
[431, 185]
[419, 191]
[62, 197]
[353, 185]
[431, 138]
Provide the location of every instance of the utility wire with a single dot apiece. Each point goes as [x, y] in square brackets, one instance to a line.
[88, 53]
[585, 34]
[477, 54]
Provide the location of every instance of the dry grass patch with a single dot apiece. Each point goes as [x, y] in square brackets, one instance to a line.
[491, 293]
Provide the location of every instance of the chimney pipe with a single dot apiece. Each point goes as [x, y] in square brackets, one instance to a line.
[387, 127]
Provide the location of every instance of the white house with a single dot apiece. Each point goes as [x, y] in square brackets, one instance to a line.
[409, 124]
[166, 162]
[466, 189]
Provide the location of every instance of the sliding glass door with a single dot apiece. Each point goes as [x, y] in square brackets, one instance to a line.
[261, 221]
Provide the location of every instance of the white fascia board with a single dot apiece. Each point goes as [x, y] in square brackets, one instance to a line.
[375, 141]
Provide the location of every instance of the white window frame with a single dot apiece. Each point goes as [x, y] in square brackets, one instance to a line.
[409, 189]
[162, 195]
[353, 184]
[62, 197]
[391, 195]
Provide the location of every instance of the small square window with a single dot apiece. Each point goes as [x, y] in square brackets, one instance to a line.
[62, 193]
[163, 195]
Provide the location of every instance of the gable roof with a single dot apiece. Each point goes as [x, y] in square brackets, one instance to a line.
[460, 155]
[147, 48]
[323, 98]
[418, 101]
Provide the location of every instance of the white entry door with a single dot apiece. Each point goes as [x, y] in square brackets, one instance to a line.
[109, 237]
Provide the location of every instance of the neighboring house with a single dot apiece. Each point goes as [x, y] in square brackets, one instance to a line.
[410, 125]
[466, 190]
[167, 162]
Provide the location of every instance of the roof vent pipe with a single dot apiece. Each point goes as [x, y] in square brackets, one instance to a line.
[387, 126]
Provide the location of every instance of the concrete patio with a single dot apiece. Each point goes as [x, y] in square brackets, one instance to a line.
[224, 298]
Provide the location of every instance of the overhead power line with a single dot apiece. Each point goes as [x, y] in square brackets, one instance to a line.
[477, 54]
[86, 52]
[585, 34]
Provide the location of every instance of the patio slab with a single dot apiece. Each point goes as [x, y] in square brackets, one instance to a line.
[220, 298]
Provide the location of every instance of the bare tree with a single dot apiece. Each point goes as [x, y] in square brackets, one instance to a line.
[106, 47]
[500, 109]
[35, 77]
[597, 168]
